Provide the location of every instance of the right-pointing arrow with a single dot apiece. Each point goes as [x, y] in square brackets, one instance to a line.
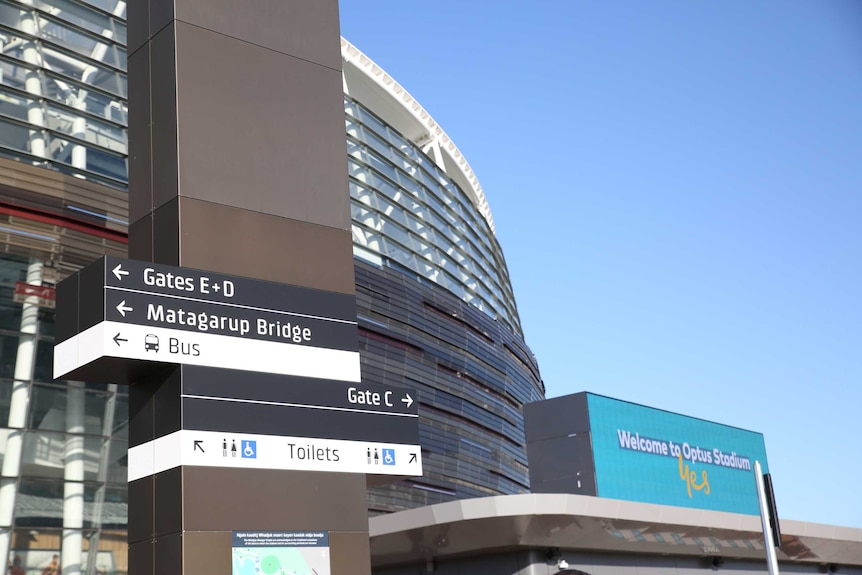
[123, 308]
[408, 400]
[412, 458]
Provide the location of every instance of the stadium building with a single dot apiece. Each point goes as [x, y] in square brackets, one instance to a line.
[436, 313]
[435, 306]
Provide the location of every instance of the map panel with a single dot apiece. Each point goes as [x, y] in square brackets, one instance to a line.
[280, 553]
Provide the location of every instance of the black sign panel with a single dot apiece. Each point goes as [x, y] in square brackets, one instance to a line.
[250, 322]
[143, 293]
[214, 287]
[298, 421]
[237, 401]
[232, 384]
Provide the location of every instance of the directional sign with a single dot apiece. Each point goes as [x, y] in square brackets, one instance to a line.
[247, 373]
[81, 357]
[222, 449]
[152, 314]
[147, 277]
[245, 410]
[196, 315]
[327, 398]
[268, 404]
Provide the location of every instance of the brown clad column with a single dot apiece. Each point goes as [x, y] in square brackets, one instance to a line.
[238, 165]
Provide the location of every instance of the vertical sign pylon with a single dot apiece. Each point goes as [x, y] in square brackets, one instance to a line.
[237, 166]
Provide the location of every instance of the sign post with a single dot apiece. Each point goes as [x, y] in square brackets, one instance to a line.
[251, 433]
[767, 521]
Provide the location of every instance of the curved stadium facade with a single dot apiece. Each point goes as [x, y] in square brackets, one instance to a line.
[435, 306]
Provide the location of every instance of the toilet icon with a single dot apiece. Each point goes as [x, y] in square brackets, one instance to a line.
[249, 449]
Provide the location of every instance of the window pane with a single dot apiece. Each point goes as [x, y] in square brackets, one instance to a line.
[48, 408]
[45, 452]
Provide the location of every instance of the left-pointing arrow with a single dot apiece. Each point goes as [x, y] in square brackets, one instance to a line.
[117, 339]
[119, 271]
[199, 445]
[123, 308]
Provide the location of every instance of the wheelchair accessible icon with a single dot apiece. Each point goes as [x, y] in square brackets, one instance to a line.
[388, 457]
[249, 449]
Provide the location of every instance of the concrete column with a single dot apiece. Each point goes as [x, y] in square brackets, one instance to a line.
[33, 80]
[104, 462]
[73, 475]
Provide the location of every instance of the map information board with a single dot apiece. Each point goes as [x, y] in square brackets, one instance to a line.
[280, 553]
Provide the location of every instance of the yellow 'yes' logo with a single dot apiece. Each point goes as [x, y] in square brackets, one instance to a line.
[690, 478]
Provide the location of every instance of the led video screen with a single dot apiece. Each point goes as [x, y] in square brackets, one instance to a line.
[654, 456]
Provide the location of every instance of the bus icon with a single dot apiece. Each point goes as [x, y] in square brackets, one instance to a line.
[151, 342]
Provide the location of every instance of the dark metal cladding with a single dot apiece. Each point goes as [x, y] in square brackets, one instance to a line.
[66, 320]
[472, 376]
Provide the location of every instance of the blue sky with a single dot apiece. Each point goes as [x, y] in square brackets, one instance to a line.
[677, 187]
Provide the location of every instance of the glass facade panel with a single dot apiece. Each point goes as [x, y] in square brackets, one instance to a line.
[85, 17]
[48, 408]
[62, 446]
[5, 399]
[14, 136]
[95, 103]
[85, 44]
[13, 73]
[389, 166]
[62, 70]
[16, 106]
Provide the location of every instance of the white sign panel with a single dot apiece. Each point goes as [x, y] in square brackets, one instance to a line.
[131, 341]
[221, 449]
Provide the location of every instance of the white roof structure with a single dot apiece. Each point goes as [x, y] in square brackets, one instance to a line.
[378, 91]
[549, 520]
